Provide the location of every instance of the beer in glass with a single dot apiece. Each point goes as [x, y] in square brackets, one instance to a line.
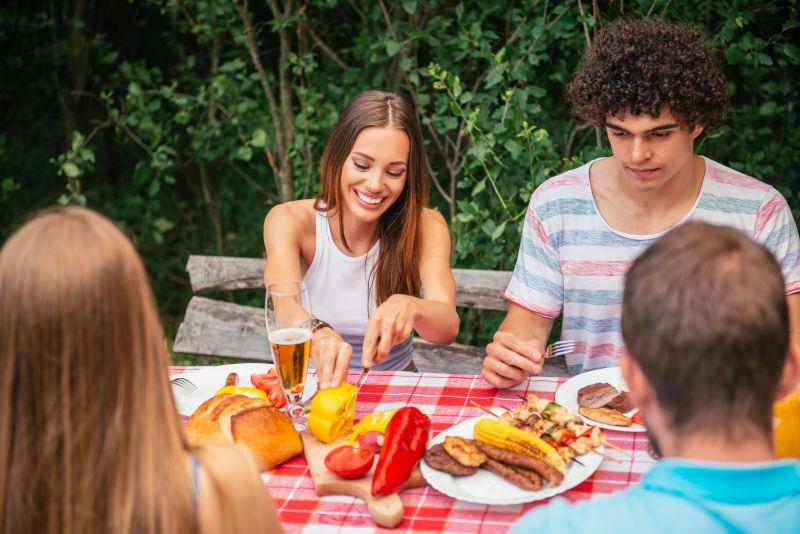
[287, 311]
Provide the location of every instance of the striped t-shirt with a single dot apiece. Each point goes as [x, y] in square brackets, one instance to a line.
[572, 262]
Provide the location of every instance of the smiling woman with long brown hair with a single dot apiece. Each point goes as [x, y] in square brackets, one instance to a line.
[90, 440]
[368, 245]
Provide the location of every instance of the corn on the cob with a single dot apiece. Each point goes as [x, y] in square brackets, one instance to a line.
[505, 436]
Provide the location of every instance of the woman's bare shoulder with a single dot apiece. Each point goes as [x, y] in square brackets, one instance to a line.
[291, 216]
[433, 220]
[435, 232]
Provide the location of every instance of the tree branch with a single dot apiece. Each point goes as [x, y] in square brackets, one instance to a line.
[284, 83]
[597, 21]
[208, 196]
[650, 11]
[284, 133]
[246, 177]
[585, 26]
[333, 56]
[415, 98]
[241, 8]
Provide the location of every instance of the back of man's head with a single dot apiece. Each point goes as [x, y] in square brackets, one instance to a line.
[705, 318]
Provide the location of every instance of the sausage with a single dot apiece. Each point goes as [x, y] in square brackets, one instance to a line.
[511, 474]
[552, 475]
[532, 476]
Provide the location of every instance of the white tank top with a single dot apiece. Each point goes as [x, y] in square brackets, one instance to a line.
[340, 295]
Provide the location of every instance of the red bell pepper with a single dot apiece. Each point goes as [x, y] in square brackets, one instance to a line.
[404, 444]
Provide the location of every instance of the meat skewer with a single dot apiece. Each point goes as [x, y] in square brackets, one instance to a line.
[565, 450]
[562, 417]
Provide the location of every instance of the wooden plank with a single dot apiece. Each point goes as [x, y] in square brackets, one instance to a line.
[467, 359]
[217, 273]
[474, 288]
[217, 328]
[481, 289]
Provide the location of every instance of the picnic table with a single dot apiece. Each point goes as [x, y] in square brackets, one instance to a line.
[445, 398]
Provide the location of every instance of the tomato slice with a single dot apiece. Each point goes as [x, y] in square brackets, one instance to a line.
[271, 385]
[265, 381]
[637, 418]
[277, 397]
[350, 462]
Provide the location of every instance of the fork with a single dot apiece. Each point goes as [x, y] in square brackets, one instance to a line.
[185, 384]
[559, 348]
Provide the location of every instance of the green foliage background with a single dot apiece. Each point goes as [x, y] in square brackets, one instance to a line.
[156, 113]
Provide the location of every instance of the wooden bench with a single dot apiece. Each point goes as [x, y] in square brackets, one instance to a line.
[219, 328]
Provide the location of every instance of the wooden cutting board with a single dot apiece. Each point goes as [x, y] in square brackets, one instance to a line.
[385, 510]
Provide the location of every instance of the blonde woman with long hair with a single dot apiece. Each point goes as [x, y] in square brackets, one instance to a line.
[90, 440]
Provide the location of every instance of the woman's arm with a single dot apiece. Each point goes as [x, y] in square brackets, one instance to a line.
[283, 242]
[434, 316]
[282, 239]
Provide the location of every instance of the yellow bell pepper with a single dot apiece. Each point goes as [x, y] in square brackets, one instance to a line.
[332, 412]
[240, 390]
[373, 421]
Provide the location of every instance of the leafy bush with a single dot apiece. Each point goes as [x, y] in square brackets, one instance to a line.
[187, 121]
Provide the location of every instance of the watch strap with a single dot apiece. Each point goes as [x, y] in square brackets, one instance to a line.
[318, 324]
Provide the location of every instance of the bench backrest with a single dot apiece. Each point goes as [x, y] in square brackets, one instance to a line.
[220, 328]
[474, 288]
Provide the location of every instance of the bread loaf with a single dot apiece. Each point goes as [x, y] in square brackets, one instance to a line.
[254, 423]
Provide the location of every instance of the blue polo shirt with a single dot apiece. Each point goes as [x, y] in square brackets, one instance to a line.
[686, 496]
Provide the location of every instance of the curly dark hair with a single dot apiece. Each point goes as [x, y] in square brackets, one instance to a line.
[638, 66]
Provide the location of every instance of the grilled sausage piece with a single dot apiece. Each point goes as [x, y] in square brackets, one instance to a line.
[552, 475]
[509, 473]
[532, 476]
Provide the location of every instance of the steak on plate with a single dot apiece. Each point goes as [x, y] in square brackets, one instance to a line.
[621, 402]
[596, 395]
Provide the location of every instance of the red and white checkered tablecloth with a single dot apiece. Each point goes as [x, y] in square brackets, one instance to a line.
[446, 400]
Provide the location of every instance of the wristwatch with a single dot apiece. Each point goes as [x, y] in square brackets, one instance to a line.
[318, 324]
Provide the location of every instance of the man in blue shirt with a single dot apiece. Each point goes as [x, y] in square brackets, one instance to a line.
[705, 323]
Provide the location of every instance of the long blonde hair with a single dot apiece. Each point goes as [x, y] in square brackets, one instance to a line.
[90, 440]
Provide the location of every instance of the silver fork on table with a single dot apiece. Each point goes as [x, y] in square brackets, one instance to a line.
[185, 384]
[559, 348]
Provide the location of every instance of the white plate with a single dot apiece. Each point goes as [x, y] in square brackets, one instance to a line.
[567, 394]
[485, 487]
[210, 379]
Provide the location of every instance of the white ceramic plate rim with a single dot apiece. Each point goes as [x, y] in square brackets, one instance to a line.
[492, 488]
[567, 394]
[210, 379]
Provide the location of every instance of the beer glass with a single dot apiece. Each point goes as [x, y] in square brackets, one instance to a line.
[287, 311]
[786, 427]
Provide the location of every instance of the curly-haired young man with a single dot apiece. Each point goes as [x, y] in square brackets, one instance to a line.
[705, 394]
[654, 87]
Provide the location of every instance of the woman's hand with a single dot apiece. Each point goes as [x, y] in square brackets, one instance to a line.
[331, 356]
[390, 324]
